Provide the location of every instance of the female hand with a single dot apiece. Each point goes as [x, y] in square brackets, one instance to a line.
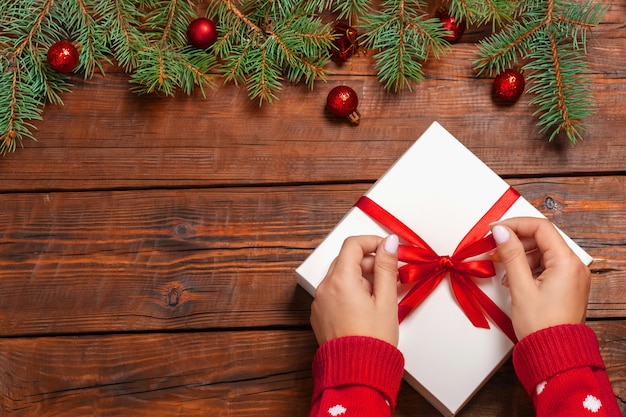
[549, 284]
[347, 303]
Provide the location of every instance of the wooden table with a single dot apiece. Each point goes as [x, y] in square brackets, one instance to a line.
[148, 244]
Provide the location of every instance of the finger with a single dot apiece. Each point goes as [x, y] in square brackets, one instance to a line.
[367, 264]
[534, 259]
[352, 254]
[355, 248]
[386, 270]
[533, 256]
[539, 231]
[367, 284]
[512, 254]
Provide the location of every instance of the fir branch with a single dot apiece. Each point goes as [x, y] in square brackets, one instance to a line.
[549, 41]
[196, 64]
[40, 79]
[166, 63]
[318, 6]
[576, 20]
[404, 37]
[124, 37]
[501, 50]
[299, 47]
[155, 72]
[352, 10]
[266, 80]
[16, 108]
[167, 21]
[17, 20]
[83, 19]
[480, 12]
[24, 79]
[563, 111]
[262, 43]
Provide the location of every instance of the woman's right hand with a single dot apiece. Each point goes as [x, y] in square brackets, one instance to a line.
[549, 284]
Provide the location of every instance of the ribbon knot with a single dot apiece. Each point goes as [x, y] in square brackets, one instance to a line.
[446, 263]
[424, 268]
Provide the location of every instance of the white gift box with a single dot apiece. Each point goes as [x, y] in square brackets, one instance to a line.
[440, 190]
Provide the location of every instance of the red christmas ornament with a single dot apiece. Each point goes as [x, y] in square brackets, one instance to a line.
[509, 85]
[202, 33]
[346, 43]
[342, 101]
[456, 27]
[63, 56]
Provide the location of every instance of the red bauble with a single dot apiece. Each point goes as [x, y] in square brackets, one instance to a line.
[202, 33]
[342, 101]
[63, 56]
[509, 85]
[456, 27]
[346, 43]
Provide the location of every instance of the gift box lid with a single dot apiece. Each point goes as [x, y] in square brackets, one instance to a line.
[440, 190]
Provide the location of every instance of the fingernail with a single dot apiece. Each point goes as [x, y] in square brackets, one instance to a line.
[500, 234]
[391, 244]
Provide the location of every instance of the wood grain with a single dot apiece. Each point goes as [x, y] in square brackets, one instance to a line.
[181, 374]
[201, 258]
[148, 244]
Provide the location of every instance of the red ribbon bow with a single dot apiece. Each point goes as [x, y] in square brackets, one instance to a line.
[426, 268]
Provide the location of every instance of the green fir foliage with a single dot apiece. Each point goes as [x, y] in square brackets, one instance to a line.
[145, 38]
[264, 44]
[403, 36]
[351, 10]
[548, 42]
[480, 12]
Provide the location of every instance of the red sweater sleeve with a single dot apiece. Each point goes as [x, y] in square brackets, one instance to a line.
[356, 376]
[562, 371]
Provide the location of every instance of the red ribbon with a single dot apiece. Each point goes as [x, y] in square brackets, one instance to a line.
[426, 268]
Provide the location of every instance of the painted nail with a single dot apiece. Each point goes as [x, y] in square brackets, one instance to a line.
[391, 244]
[500, 234]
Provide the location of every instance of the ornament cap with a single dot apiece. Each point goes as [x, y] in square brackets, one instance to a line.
[355, 117]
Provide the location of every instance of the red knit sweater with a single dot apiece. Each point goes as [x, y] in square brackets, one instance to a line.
[560, 368]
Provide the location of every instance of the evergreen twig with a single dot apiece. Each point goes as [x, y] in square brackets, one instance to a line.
[262, 43]
[404, 37]
[548, 42]
[480, 12]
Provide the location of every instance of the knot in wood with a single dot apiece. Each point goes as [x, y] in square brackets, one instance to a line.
[181, 230]
[173, 297]
[549, 203]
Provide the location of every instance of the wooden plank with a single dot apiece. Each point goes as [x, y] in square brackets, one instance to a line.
[106, 137]
[181, 374]
[191, 259]
[212, 373]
